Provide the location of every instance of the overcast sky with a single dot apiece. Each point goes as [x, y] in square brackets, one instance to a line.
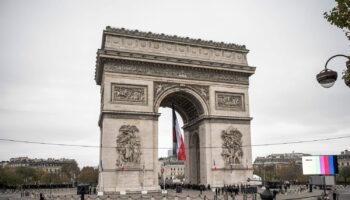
[48, 53]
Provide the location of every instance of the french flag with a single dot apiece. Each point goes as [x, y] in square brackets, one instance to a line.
[178, 141]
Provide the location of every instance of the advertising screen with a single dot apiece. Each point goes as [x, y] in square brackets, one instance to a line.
[320, 165]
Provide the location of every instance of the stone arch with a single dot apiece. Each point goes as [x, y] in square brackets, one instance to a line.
[187, 101]
[191, 105]
[138, 72]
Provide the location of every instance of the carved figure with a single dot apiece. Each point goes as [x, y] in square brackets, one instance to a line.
[232, 146]
[131, 94]
[172, 72]
[204, 93]
[229, 101]
[159, 88]
[128, 146]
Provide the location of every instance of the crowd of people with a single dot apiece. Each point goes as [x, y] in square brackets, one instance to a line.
[227, 189]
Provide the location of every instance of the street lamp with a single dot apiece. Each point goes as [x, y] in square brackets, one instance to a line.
[327, 77]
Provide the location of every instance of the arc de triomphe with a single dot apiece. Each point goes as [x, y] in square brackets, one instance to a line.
[208, 84]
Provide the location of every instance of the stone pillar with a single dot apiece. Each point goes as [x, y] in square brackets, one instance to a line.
[140, 173]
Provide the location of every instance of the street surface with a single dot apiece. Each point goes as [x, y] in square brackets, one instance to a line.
[295, 192]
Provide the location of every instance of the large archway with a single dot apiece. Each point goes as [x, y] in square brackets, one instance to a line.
[207, 82]
[184, 100]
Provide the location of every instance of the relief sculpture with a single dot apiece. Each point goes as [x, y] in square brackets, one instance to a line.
[160, 87]
[229, 101]
[128, 146]
[172, 72]
[232, 152]
[129, 94]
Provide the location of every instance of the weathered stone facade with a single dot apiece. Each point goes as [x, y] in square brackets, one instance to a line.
[208, 84]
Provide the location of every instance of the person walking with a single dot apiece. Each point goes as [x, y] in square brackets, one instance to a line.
[41, 196]
[334, 194]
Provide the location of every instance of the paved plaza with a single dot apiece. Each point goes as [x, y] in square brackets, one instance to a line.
[55, 194]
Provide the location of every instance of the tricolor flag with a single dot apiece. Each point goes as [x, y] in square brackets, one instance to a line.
[178, 141]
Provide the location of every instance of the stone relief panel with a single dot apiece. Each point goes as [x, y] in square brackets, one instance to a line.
[129, 94]
[128, 146]
[177, 50]
[229, 101]
[176, 72]
[232, 152]
[160, 87]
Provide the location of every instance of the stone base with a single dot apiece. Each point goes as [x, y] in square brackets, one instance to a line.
[115, 182]
[126, 192]
[223, 177]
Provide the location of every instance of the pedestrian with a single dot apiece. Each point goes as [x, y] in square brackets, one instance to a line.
[41, 196]
[334, 194]
[233, 197]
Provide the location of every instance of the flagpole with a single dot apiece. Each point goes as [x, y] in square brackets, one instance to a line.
[174, 133]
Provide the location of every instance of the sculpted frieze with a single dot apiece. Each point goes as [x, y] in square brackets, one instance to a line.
[232, 152]
[128, 146]
[160, 87]
[175, 49]
[129, 94]
[229, 101]
[176, 72]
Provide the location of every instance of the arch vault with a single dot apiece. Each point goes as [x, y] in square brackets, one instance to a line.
[208, 84]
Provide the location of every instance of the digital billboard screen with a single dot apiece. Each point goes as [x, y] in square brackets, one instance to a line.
[320, 165]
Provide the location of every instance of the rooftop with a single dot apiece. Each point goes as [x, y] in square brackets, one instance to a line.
[176, 38]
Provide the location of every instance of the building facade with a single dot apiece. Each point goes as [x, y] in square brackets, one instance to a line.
[172, 168]
[344, 159]
[50, 165]
[279, 160]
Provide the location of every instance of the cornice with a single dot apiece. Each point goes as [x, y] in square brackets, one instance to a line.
[109, 55]
[134, 67]
[127, 115]
[174, 60]
[219, 119]
[175, 39]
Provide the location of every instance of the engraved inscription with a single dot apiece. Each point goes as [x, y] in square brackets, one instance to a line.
[229, 101]
[129, 94]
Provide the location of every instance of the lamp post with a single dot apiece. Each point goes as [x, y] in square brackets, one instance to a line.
[327, 77]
